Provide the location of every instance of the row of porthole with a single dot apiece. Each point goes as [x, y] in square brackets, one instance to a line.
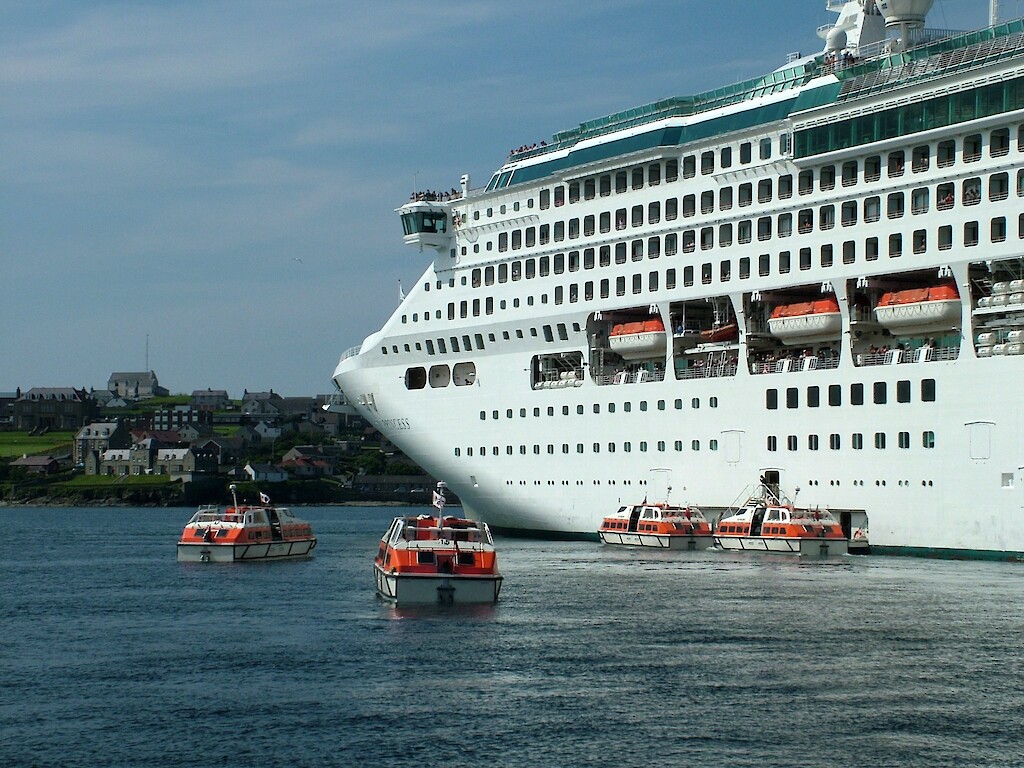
[878, 483]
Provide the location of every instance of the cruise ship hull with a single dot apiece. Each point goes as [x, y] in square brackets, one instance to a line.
[496, 373]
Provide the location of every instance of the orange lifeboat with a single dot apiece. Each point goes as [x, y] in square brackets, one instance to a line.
[662, 526]
[723, 333]
[806, 321]
[437, 559]
[920, 310]
[244, 533]
[765, 523]
[638, 340]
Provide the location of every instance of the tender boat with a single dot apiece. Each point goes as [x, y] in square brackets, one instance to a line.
[437, 559]
[919, 310]
[767, 522]
[244, 533]
[664, 526]
[638, 340]
[806, 321]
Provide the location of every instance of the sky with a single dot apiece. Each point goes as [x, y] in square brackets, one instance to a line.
[210, 186]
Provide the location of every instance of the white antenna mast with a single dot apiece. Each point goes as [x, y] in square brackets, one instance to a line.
[993, 12]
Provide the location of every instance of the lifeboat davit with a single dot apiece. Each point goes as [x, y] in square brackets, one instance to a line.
[638, 340]
[920, 310]
[806, 321]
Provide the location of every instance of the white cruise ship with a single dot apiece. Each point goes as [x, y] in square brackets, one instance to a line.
[815, 277]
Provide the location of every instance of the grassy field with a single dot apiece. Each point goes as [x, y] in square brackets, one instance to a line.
[14, 444]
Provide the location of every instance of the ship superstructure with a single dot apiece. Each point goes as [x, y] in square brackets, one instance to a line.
[816, 276]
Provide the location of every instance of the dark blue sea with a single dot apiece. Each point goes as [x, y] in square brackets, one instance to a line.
[114, 654]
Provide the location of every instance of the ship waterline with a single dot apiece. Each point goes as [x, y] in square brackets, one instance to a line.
[816, 276]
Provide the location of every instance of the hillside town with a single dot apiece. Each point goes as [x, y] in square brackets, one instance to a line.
[313, 448]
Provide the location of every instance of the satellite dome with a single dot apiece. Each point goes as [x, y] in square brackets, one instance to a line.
[836, 40]
[908, 12]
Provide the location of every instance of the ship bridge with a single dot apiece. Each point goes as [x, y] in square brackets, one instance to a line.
[427, 223]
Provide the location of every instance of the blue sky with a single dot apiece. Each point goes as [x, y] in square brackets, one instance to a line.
[222, 176]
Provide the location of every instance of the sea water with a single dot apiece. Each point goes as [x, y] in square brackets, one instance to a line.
[113, 653]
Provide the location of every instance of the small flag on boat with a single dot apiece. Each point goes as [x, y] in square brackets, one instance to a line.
[264, 498]
[438, 500]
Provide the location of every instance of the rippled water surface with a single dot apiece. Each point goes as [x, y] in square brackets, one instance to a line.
[113, 653]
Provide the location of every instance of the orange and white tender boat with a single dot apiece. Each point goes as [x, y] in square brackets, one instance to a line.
[437, 559]
[662, 525]
[244, 533]
[768, 523]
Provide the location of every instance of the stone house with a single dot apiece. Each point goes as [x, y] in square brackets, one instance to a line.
[136, 385]
[100, 436]
[54, 408]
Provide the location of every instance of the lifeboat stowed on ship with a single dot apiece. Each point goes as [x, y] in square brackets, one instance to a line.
[766, 523]
[806, 321]
[638, 340]
[663, 526]
[437, 560]
[920, 309]
[244, 533]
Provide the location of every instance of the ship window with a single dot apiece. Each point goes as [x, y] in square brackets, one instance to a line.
[605, 185]
[927, 439]
[611, 447]
[763, 264]
[725, 271]
[442, 348]
[894, 205]
[764, 191]
[766, 147]
[895, 245]
[638, 178]
[920, 159]
[559, 196]
[813, 397]
[771, 399]
[627, 407]
[671, 244]
[671, 171]
[880, 440]
[545, 199]
[744, 269]
[611, 407]
[695, 445]
[545, 233]
[849, 252]
[773, 443]
[970, 233]
[904, 440]
[415, 378]
[688, 276]
[805, 182]
[792, 397]
[707, 162]
[827, 177]
[784, 262]
[880, 393]
[896, 163]
[464, 374]
[725, 157]
[872, 168]
[745, 154]
[812, 442]
[654, 174]
[791, 442]
[849, 173]
[805, 258]
[689, 166]
[834, 441]
[871, 249]
[826, 255]
[972, 148]
[928, 390]
[872, 209]
[857, 394]
[621, 182]
[559, 231]
[746, 195]
[705, 273]
[857, 441]
[785, 224]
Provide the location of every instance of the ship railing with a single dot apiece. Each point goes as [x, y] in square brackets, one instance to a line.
[922, 354]
[350, 352]
[628, 377]
[710, 371]
[795, 364]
